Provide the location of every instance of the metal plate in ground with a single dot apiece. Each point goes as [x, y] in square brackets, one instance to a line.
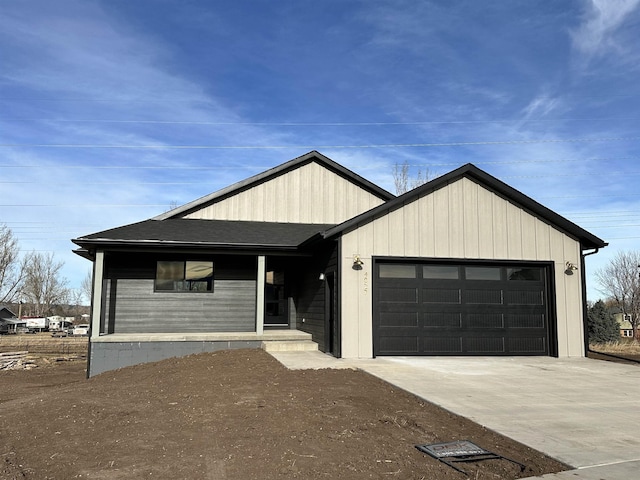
[461, 451]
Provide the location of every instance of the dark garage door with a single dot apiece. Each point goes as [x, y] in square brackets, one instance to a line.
[461, 309]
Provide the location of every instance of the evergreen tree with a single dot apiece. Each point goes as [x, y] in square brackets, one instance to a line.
[601, 324]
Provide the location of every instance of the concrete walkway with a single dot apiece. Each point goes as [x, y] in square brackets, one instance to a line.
[583, 412]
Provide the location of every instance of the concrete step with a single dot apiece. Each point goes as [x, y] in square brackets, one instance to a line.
[289, 346]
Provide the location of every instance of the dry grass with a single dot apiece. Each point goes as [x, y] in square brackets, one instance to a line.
[622, 350]
[43, 343]
[631, 347]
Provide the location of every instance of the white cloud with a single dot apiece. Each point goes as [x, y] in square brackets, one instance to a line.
[597, 35]
[541, 105]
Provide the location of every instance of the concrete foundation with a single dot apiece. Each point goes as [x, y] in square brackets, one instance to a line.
[110, 352]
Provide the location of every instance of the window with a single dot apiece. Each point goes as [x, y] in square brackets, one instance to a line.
[532, 274]
[627, 333]
[482, 273]
[397, 271]
[188, 276]
[444, 272]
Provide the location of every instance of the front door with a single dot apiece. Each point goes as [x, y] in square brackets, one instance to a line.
[276, 313]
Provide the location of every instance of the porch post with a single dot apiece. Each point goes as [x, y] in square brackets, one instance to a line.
[260, 295]
[96, 298]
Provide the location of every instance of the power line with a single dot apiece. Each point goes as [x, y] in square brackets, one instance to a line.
[268, 147]
[622, 225]
[257, 167]
[75, 205]
[317, 124]
[624, 213]
[133, 184]
[127, 184]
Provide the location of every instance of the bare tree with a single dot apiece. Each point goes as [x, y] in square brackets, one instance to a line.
[43, 286]
[403, 181]
[11, 266]
[620, 280]
[86, 287]
[76, 302]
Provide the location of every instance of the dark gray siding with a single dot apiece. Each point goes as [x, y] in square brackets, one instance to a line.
[311, 297]
[132, 305]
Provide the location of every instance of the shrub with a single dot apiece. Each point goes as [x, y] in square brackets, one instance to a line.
[602, 326]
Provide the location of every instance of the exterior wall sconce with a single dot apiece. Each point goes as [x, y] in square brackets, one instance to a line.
[357, 262]
[570, 268]
[321, 277]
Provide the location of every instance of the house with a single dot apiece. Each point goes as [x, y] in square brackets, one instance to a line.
[7, 320]
[624, 321]
[462, 265]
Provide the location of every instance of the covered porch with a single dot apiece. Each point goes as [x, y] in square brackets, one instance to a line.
[177, 287]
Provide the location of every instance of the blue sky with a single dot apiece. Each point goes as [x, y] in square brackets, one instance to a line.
[112, 111]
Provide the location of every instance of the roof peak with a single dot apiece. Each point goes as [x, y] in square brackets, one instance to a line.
[474, 173]
[312, 156]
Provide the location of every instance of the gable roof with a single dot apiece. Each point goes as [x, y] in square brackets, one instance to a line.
[193, 233]
[4, 308]
[282, 169]
[470, 171]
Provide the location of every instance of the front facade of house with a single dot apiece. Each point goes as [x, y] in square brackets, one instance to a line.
[464, 265]
[624, 321]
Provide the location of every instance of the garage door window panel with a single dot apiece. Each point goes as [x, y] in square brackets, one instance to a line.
[525, 274]
[441, 272]
[483, 273]
[397, 271]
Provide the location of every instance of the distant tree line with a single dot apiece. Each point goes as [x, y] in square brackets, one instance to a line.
[34, 280]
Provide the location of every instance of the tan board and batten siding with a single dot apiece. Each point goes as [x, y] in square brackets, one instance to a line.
[461, 220]
[309, 194]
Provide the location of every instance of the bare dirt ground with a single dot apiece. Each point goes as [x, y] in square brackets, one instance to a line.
[231, 415]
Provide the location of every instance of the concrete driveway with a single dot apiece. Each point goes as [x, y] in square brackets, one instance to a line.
[583, 412]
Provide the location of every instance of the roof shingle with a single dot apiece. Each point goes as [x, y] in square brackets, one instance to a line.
[206, 232]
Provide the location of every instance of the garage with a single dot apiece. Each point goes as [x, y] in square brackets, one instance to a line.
[462, 308]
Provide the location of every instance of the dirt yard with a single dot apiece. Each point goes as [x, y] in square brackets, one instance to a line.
[230, 415]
